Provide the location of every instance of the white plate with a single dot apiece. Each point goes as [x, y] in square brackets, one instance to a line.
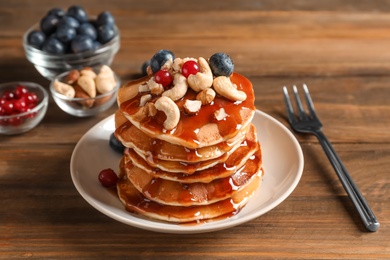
[282, 162]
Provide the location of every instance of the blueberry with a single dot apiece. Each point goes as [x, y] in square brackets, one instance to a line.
[105, 18]
[221, 64]
[78, 12]
[160, 58]
[53, 46]
[65, 33]
[116, 145]
[88, 29]
[96, 45]
[82, 43]
[36, 39]
[69, 21]
[145, 67]
[105, 33]
[49, 24]
[57, 12]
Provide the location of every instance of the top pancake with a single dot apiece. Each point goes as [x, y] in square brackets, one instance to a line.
[192, 131]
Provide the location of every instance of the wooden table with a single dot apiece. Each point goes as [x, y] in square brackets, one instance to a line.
[341, 49]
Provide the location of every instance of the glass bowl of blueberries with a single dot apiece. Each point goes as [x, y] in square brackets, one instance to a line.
[23, 105]
[66, 40]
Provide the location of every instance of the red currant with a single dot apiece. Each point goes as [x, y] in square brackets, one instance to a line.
[163, 77]
[31, 98]
[8, 107]
[190, 67]
[20, 91]
[20, 105]
[108, 178]
[8, 95]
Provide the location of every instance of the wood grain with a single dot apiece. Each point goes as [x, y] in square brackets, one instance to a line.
[340, 49]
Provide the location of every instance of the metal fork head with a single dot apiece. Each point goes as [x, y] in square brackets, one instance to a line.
[303, 122]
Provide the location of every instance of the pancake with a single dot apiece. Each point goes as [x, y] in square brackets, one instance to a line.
[135, 202]
[191, 131]
[190, 194]
[235, 161]
[130, 136]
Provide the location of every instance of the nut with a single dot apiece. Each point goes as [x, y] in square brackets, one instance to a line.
[179, 88]
[88, 85]
[192, 106]
[143, 88]
[171, 110]
[206, 96]
[105, 80]
[88, 72]
[220, 114]
[155, 88]
[80, 93]
[150, 109]
[203, 79]
[144, 99]
[64, 89]
[223, 86]
[72, 77]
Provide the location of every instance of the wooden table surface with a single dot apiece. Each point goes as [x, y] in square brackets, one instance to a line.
[340, 49]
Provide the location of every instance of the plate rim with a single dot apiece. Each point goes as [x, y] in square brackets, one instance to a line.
[166, 227]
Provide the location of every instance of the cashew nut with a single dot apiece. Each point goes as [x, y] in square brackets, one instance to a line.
[223, 86]
[64, 89]
[220, 114]
[105, 80]
[88, 85]
[144, 99]
[154, 87]
[192, 106]
[179, 88]
[171, 110]
[206, 96]
[203, 79]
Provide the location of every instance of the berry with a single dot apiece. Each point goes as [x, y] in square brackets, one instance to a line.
[105, 33]
[108, 178]
[49, 24]
[65, 33]
[69, 21]
[57, 12]
[160, 58]
[163, 77]
[82, 43]
[190, 67]
[53, 46]
[78, 13]
[105, 18]
[20, 105]
[116, 145]
[221, 64]
[20, 91]
[36, 39]
[88, 29]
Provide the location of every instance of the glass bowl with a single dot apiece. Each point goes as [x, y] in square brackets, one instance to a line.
[51, 65]
[25, 121]
[81, 107]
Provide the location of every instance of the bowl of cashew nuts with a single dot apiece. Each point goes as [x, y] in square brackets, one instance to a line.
[85, 92]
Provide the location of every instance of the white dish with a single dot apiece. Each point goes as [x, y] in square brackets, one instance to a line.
[282, 163]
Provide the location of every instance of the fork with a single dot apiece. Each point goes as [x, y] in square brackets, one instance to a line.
[310, 124]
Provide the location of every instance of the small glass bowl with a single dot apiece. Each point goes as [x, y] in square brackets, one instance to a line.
[23, 122]
[76, 107]
[51, 65]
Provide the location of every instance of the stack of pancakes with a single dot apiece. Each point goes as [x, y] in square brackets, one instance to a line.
[205, 168]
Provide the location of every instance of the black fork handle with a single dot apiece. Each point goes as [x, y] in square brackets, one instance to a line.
[349, 185]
